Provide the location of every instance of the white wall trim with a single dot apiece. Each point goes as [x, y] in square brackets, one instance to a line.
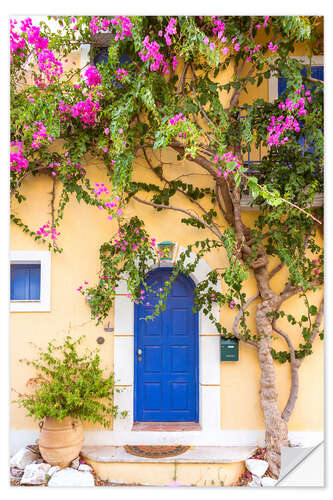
[42, 257]
[209, 367]
[20, 438]
[273, 81]
[84, 56]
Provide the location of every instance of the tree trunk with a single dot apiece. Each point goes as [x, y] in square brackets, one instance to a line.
[276, 427]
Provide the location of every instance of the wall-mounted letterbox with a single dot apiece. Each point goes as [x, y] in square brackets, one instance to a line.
[229, 349]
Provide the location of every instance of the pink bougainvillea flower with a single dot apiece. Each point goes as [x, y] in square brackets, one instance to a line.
[93, 77]
[121, 73]
[206, 41]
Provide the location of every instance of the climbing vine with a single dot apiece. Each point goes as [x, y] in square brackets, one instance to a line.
[181, 83]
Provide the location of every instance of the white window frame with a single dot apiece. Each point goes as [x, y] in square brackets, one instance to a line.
[273, 81]
[34, 257]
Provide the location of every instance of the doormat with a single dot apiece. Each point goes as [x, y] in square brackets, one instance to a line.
[156, 451]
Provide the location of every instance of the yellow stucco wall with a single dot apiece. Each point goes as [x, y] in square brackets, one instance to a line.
[162, 474]
[83, 231]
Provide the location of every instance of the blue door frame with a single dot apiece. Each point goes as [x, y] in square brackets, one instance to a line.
[166, 373]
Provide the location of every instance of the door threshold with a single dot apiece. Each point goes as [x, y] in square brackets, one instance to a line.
[166, 426]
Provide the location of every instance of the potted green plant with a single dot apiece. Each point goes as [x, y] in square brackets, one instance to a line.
[69, 388]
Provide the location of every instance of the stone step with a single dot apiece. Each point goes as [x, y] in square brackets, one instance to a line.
[195, 455]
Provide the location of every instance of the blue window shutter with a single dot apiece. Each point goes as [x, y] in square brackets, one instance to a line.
[102, 55]
[25, 282]
[316, 72]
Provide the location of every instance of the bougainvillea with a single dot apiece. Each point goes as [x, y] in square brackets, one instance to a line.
[184, 86]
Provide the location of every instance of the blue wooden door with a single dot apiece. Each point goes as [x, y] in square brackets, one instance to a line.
[166, 355]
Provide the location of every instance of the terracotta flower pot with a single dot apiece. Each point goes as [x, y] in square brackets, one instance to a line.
[60, 442]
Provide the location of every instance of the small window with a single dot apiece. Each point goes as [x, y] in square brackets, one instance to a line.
[25, 281]
[316, 72]
[30, 281]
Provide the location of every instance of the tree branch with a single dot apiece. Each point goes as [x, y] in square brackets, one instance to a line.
[294, 375]
[195, 202]
[237, 319]
[187, 212]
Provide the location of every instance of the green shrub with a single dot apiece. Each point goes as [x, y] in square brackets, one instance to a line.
[70, 384]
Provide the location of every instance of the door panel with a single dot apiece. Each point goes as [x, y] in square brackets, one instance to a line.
[166, 373]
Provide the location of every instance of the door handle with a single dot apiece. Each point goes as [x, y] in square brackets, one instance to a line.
[139, 351]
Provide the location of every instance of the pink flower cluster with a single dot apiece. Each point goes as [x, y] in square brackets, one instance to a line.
[170, 30]
[174, 63]
[47, 230]
[125, 27]
[153, 53]
[86, 111]
[16, 42]
[278, 126]
[17, 160]
[121, 73]
[40, 136]
[49, 65]
[177, 118]
[316, 263]
[100, 188]
[211, 45]
[39, 42]
[93, 78]
[219, 27]
[272, 47]
[226, 158]
[98, 24]
[252, 51]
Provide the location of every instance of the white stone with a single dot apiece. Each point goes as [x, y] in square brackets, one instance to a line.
[75, 463]
[268, 481]
[16, 473]
[85, 468]
[53, 470]
[35, 474]
[255, 483]
[256, 466]
[70, 478]
[23, 458]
